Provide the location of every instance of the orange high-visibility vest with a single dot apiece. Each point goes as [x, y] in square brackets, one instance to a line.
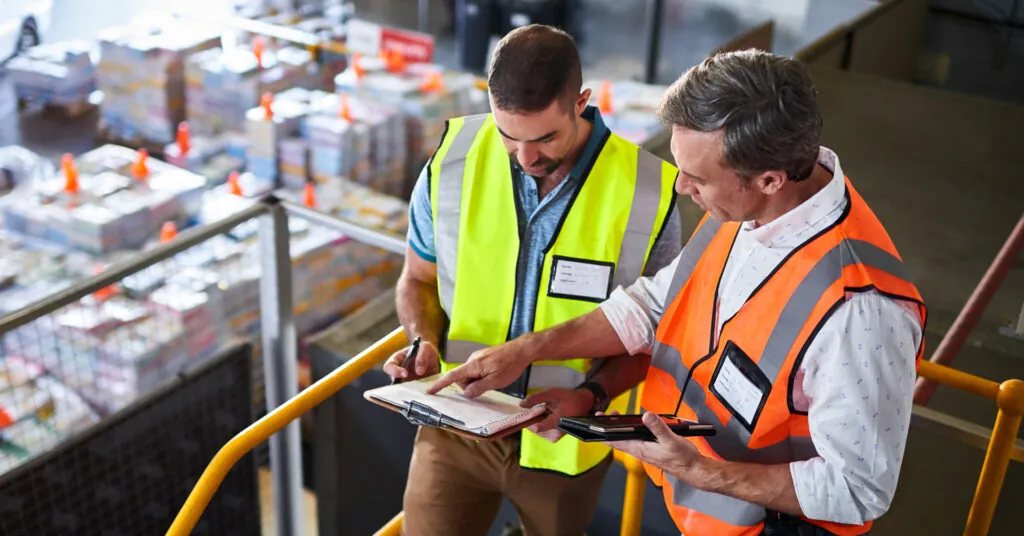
[759, 350]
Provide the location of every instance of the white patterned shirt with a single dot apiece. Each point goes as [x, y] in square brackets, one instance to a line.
[856, 380]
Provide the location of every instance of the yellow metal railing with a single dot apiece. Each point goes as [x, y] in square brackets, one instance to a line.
[1009, 397]
[275, 421]
[633, 502]
[393, 528]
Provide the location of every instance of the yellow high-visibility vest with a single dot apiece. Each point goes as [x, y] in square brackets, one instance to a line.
[603, 241]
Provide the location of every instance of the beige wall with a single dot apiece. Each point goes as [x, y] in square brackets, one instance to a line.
[889, 44]
[885, 42]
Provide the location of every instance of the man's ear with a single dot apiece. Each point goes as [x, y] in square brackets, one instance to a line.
[582, 100]
[770, 182]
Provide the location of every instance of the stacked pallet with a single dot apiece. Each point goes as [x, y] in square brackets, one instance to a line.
[142, 76]
[59, 75]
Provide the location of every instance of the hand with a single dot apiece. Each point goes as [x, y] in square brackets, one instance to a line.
[561, 403]
[427, 363]
[672, 453]
[491, 368]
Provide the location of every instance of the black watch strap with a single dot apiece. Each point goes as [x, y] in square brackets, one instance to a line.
[600, 395]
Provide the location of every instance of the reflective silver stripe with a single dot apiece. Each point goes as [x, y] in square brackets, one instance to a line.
[542, 376]
[550, 376]
[642, 215]
[632, 403]
[449, 203]
[692, 252]
[721, 507]
[815, 284]
[732, 438]
[456, 351]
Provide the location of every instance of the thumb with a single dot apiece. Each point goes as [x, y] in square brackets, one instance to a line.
[657, 427]
[538, 398]
[425, 358]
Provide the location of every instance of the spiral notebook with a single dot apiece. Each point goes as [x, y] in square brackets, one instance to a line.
[489, 414]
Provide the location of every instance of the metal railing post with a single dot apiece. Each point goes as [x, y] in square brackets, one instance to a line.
[1004, 434]
[633, 499]
[280, 365]
[972, 311]
[653, 23]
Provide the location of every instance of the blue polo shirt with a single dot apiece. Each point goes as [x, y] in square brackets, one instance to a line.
[538, 222]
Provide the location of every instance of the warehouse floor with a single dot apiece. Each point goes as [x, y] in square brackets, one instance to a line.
[942, 171]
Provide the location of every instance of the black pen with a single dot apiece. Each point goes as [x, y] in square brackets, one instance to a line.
[410, 358]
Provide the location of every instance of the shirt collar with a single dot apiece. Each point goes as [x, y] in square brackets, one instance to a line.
[592, 114]
[791, 228]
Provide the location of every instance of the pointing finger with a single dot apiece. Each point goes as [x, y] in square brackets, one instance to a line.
[481, 386]
[451, 377]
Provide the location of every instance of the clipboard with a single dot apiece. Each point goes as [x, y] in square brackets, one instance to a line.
[421, 414]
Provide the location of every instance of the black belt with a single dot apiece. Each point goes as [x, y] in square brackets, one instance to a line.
[780, 524]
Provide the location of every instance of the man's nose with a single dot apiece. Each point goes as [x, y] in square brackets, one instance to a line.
[684, 186]
[527, 154]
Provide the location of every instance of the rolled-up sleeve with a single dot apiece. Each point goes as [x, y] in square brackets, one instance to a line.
[634, 312]
[858, 388]
[421, 219]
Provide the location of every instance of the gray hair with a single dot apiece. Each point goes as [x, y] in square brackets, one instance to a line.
[765, 104]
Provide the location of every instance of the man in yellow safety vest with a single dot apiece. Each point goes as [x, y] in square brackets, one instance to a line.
[525, 218]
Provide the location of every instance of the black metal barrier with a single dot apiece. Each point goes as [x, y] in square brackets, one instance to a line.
[129, 474]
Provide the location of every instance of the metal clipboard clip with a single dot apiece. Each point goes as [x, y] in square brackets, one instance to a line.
[421, 414]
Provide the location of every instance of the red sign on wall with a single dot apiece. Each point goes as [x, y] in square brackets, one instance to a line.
[370, 38]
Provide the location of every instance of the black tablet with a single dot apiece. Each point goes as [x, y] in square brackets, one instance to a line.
[627, 427]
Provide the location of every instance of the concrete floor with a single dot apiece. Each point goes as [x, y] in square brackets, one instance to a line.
[942, 171]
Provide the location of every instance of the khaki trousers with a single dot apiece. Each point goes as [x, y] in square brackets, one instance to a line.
[456, 485]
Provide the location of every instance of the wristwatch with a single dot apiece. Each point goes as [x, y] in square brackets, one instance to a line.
[600, 395]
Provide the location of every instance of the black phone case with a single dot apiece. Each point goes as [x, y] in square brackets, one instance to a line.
[584, 433]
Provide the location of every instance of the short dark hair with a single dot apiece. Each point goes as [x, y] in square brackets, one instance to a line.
[532, 67]
[766, 105]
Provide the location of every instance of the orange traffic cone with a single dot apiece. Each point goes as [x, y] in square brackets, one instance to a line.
[139, 169]
[356, 67]
[258, 47]
[395, 61]
[267, 103]
[104, 293]
[233, 187]
[184, 139]
[344, 107]
[432, 82]
[168, 232]
[70, 173]
[604, 97]
[309, 195]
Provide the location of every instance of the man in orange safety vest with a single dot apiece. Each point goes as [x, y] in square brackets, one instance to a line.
[788, 321]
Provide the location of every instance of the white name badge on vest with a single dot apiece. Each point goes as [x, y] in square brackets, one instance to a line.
[580, 279]
[740, 385]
